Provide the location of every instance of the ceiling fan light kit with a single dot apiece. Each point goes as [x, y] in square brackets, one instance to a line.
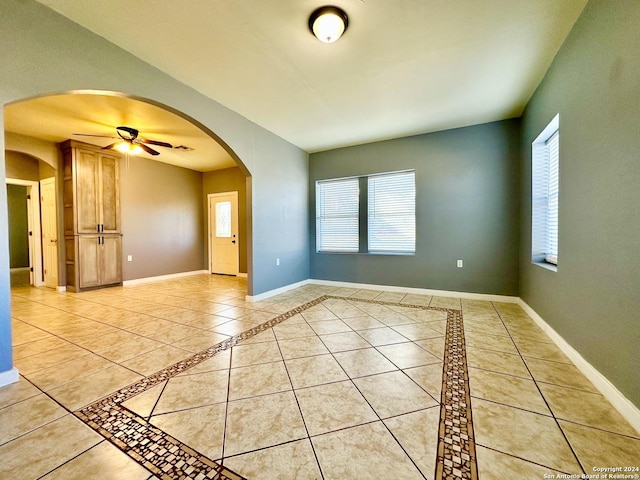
[328, 23]
[126, 147]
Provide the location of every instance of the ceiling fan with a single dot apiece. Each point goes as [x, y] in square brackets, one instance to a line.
[130, 142]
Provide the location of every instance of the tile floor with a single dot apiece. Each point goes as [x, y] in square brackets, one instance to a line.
[184, 379]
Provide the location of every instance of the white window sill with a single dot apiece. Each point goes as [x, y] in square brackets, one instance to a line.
[546, 266]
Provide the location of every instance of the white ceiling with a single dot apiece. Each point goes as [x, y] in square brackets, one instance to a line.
[403, 67]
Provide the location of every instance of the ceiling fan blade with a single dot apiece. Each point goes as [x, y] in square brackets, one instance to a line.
[91, 135]
[154, 142]
[149, 150]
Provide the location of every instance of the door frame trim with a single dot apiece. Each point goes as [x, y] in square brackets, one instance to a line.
[210, 227]
[35, 241]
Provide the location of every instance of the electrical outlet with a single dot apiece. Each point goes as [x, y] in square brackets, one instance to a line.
[459, 263]
[129, 258]
[277, 262]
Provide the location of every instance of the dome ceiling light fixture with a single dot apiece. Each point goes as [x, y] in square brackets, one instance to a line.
[328, 23]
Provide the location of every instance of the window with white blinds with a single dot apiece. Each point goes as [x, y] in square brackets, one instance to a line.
[392, 212]
[337, 215]
[545, 168]
[553, 150]
[368, 214]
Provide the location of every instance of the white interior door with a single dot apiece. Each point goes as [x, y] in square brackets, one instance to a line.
[49, 231]
[223, 233]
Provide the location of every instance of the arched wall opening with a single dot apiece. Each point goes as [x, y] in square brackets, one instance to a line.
[164, 208]
[45, 53]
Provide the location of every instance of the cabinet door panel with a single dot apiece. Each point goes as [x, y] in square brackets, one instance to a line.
[88, 260]
[111, 261]
[110, 198]
[87, 193]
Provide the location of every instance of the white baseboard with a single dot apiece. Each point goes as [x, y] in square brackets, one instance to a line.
[10, 376]
[61, 288]
[277, 291]
[621, 403]
[419, 291]
[160, 278]
[386, 288]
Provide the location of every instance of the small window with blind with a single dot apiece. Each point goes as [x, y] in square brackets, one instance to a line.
[369, 214]
[337, 215]
[545, 163]
[392, 212]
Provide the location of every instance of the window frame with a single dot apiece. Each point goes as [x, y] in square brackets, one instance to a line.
[545, 196]
[327, 212]
[364, 226]
[406, 228]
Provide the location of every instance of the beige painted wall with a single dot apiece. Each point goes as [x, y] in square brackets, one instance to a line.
[25, 167]
[40, 149]
[162, 216]
[21, 166]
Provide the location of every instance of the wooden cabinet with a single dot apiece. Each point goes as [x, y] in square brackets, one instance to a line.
[99, 260]
[93, 237]
[92, 193]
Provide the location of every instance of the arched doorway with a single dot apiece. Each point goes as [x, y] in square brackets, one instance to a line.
[32, 219]
[164, 196]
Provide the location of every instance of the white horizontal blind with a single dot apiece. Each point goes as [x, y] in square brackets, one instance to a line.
[553, 149]
[539, 202]
[392, 212]
[337, 215]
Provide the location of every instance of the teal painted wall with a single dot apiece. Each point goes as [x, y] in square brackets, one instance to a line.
[467, 207]
[18, 226]
[593, 300]
[161, 212]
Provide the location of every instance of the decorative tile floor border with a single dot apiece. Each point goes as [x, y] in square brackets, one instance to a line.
[168, 458]
[154, 449]
[163, 455]
[456, 457]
